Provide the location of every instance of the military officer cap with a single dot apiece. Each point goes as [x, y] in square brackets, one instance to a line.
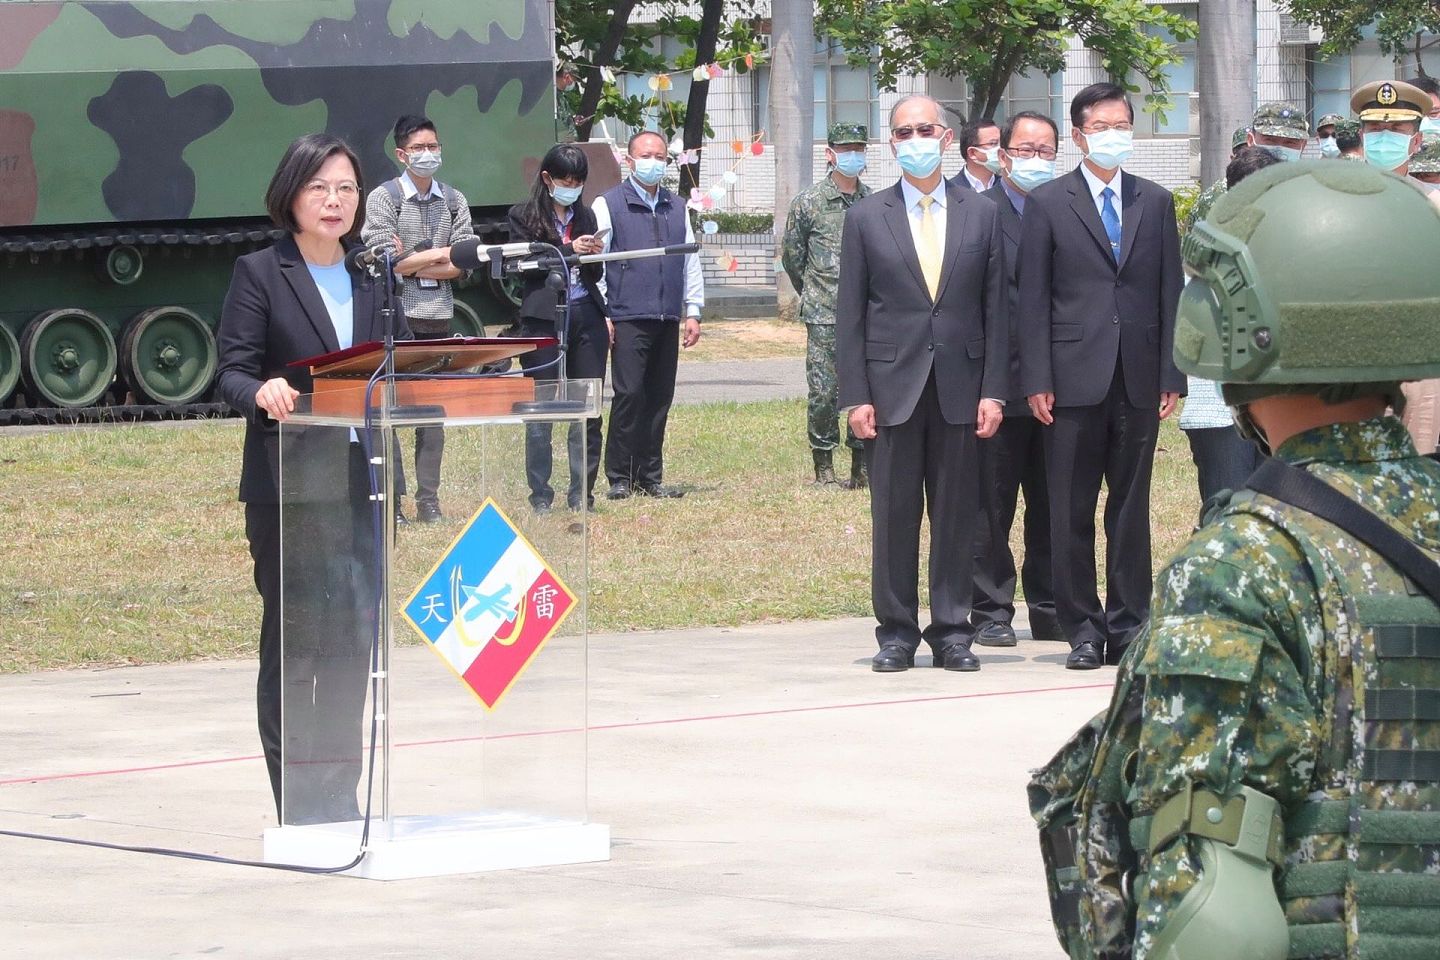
[1329, 120]
[1386, 100]
[1280, 120]
[1428, 159]
[848, 132]
[1238, 138]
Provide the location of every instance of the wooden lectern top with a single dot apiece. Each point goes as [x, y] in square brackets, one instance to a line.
[448, 355]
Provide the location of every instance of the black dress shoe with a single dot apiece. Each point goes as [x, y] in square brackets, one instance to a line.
[427, 512]
[957, 656]
[892, 659]
[1085, 655]
[996, 634]
[620, 490]
[661, 491]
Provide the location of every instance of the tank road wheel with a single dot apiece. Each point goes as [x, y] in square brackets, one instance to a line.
[506, 289]
[167, 355]
[68, 357]
[466, 322]
[9, 363]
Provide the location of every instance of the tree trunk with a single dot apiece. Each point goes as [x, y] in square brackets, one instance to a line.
[603, 56]
[694, 133]
[1225, 78]
[792, 116]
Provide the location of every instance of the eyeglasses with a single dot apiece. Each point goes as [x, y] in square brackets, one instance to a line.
[1024, 152]
[347, 190]
[1123, 127]
[421, 147]
[927, 130]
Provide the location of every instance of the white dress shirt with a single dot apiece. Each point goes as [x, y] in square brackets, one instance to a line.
[1097, 187]
[694, 274]
[912, 195]
[978, 185]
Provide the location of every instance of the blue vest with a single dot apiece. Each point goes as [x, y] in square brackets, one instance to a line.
[652, 288]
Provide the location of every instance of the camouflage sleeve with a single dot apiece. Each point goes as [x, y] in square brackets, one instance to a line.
[1225, 703]
[795, 246]
[382, 221]
[462, 227]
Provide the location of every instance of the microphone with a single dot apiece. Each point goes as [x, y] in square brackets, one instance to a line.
[364, 258]
[469, 253]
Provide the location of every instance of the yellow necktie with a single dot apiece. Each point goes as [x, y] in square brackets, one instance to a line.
[928, 247]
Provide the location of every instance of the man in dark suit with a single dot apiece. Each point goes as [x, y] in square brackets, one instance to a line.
[1015, 458]
[980, 146]
[921, 343]
[1099, 282]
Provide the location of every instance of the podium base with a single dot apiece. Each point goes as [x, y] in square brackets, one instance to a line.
[434, 846]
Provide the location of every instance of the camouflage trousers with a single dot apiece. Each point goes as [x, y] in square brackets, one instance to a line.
[823, 406]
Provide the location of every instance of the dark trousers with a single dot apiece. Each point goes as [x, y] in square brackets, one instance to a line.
[642, 377]
[587, 347]
[1012, 460]
[1114, 442]
[429, 441]
[310, 695]
[1223, 459]
[924, 465]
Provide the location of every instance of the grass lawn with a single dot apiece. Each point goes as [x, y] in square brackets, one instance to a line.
[125, 545]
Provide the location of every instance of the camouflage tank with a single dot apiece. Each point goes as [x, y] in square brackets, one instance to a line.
[137, 139]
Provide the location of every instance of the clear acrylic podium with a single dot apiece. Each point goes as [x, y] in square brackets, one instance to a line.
[434, 674]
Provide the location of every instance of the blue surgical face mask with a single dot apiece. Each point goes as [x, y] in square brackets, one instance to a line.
[1387, 149]
[918, 156]
[1280, 152]
[992, 159]
[1430, 125]
[1027, 173]
[850, 163]
[1109, 148]
[649, 170]
[565, 195]
[1329, 149]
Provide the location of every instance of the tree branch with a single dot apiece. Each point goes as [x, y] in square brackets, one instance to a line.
[604, 57]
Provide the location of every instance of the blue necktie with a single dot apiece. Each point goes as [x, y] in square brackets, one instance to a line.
[1111, 220]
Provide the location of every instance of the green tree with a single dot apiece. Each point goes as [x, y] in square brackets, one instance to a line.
[603, 38]
[989, 41]
[1399, 24]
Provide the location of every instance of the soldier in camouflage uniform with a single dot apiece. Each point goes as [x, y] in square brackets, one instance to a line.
[1277, 127]
[1266, 780]
[810, 253]
[1347, 138]
[1325, 134]
[1425, 165]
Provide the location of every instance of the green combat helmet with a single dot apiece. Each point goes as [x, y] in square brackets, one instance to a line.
[1311, 273]
[1238, 138]
[1428, 159]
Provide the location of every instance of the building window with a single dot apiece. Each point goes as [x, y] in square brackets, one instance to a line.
[1181, 112]
[843, 93]
[1332, 81]
[664, 101]
[1039, 92]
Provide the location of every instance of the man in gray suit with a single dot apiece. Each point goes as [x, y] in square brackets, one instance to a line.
[922, 347]
[1099, 281]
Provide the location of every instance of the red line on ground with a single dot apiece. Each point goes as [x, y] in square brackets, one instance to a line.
[750, 714]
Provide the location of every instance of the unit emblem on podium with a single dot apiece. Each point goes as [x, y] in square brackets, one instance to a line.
[489, 605]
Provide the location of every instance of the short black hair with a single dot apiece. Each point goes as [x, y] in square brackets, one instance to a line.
[302, 161]
[1247, 160]
[1094, 94]
[970, 133]
[409, 125]
[1007, 131]
[1427, 83]
[630, 144]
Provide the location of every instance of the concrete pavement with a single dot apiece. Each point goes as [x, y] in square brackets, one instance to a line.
[768, 796]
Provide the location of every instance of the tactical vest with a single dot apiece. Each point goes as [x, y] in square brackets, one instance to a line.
[1358, 863]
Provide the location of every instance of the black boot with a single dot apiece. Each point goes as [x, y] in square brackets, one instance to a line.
[859, 476]
[824, 468]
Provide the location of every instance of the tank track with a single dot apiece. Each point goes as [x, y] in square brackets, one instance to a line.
[246, 234]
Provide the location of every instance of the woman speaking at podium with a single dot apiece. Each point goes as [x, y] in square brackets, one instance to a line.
[294, 300]
[554, 214]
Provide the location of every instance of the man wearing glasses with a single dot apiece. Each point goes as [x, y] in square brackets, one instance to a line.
[1100, 278]
[922, 345]
[1015, 458]
[401, 214]
[980, 146]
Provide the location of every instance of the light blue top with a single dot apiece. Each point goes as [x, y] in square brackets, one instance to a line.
[334, 284]
[1204, 409]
